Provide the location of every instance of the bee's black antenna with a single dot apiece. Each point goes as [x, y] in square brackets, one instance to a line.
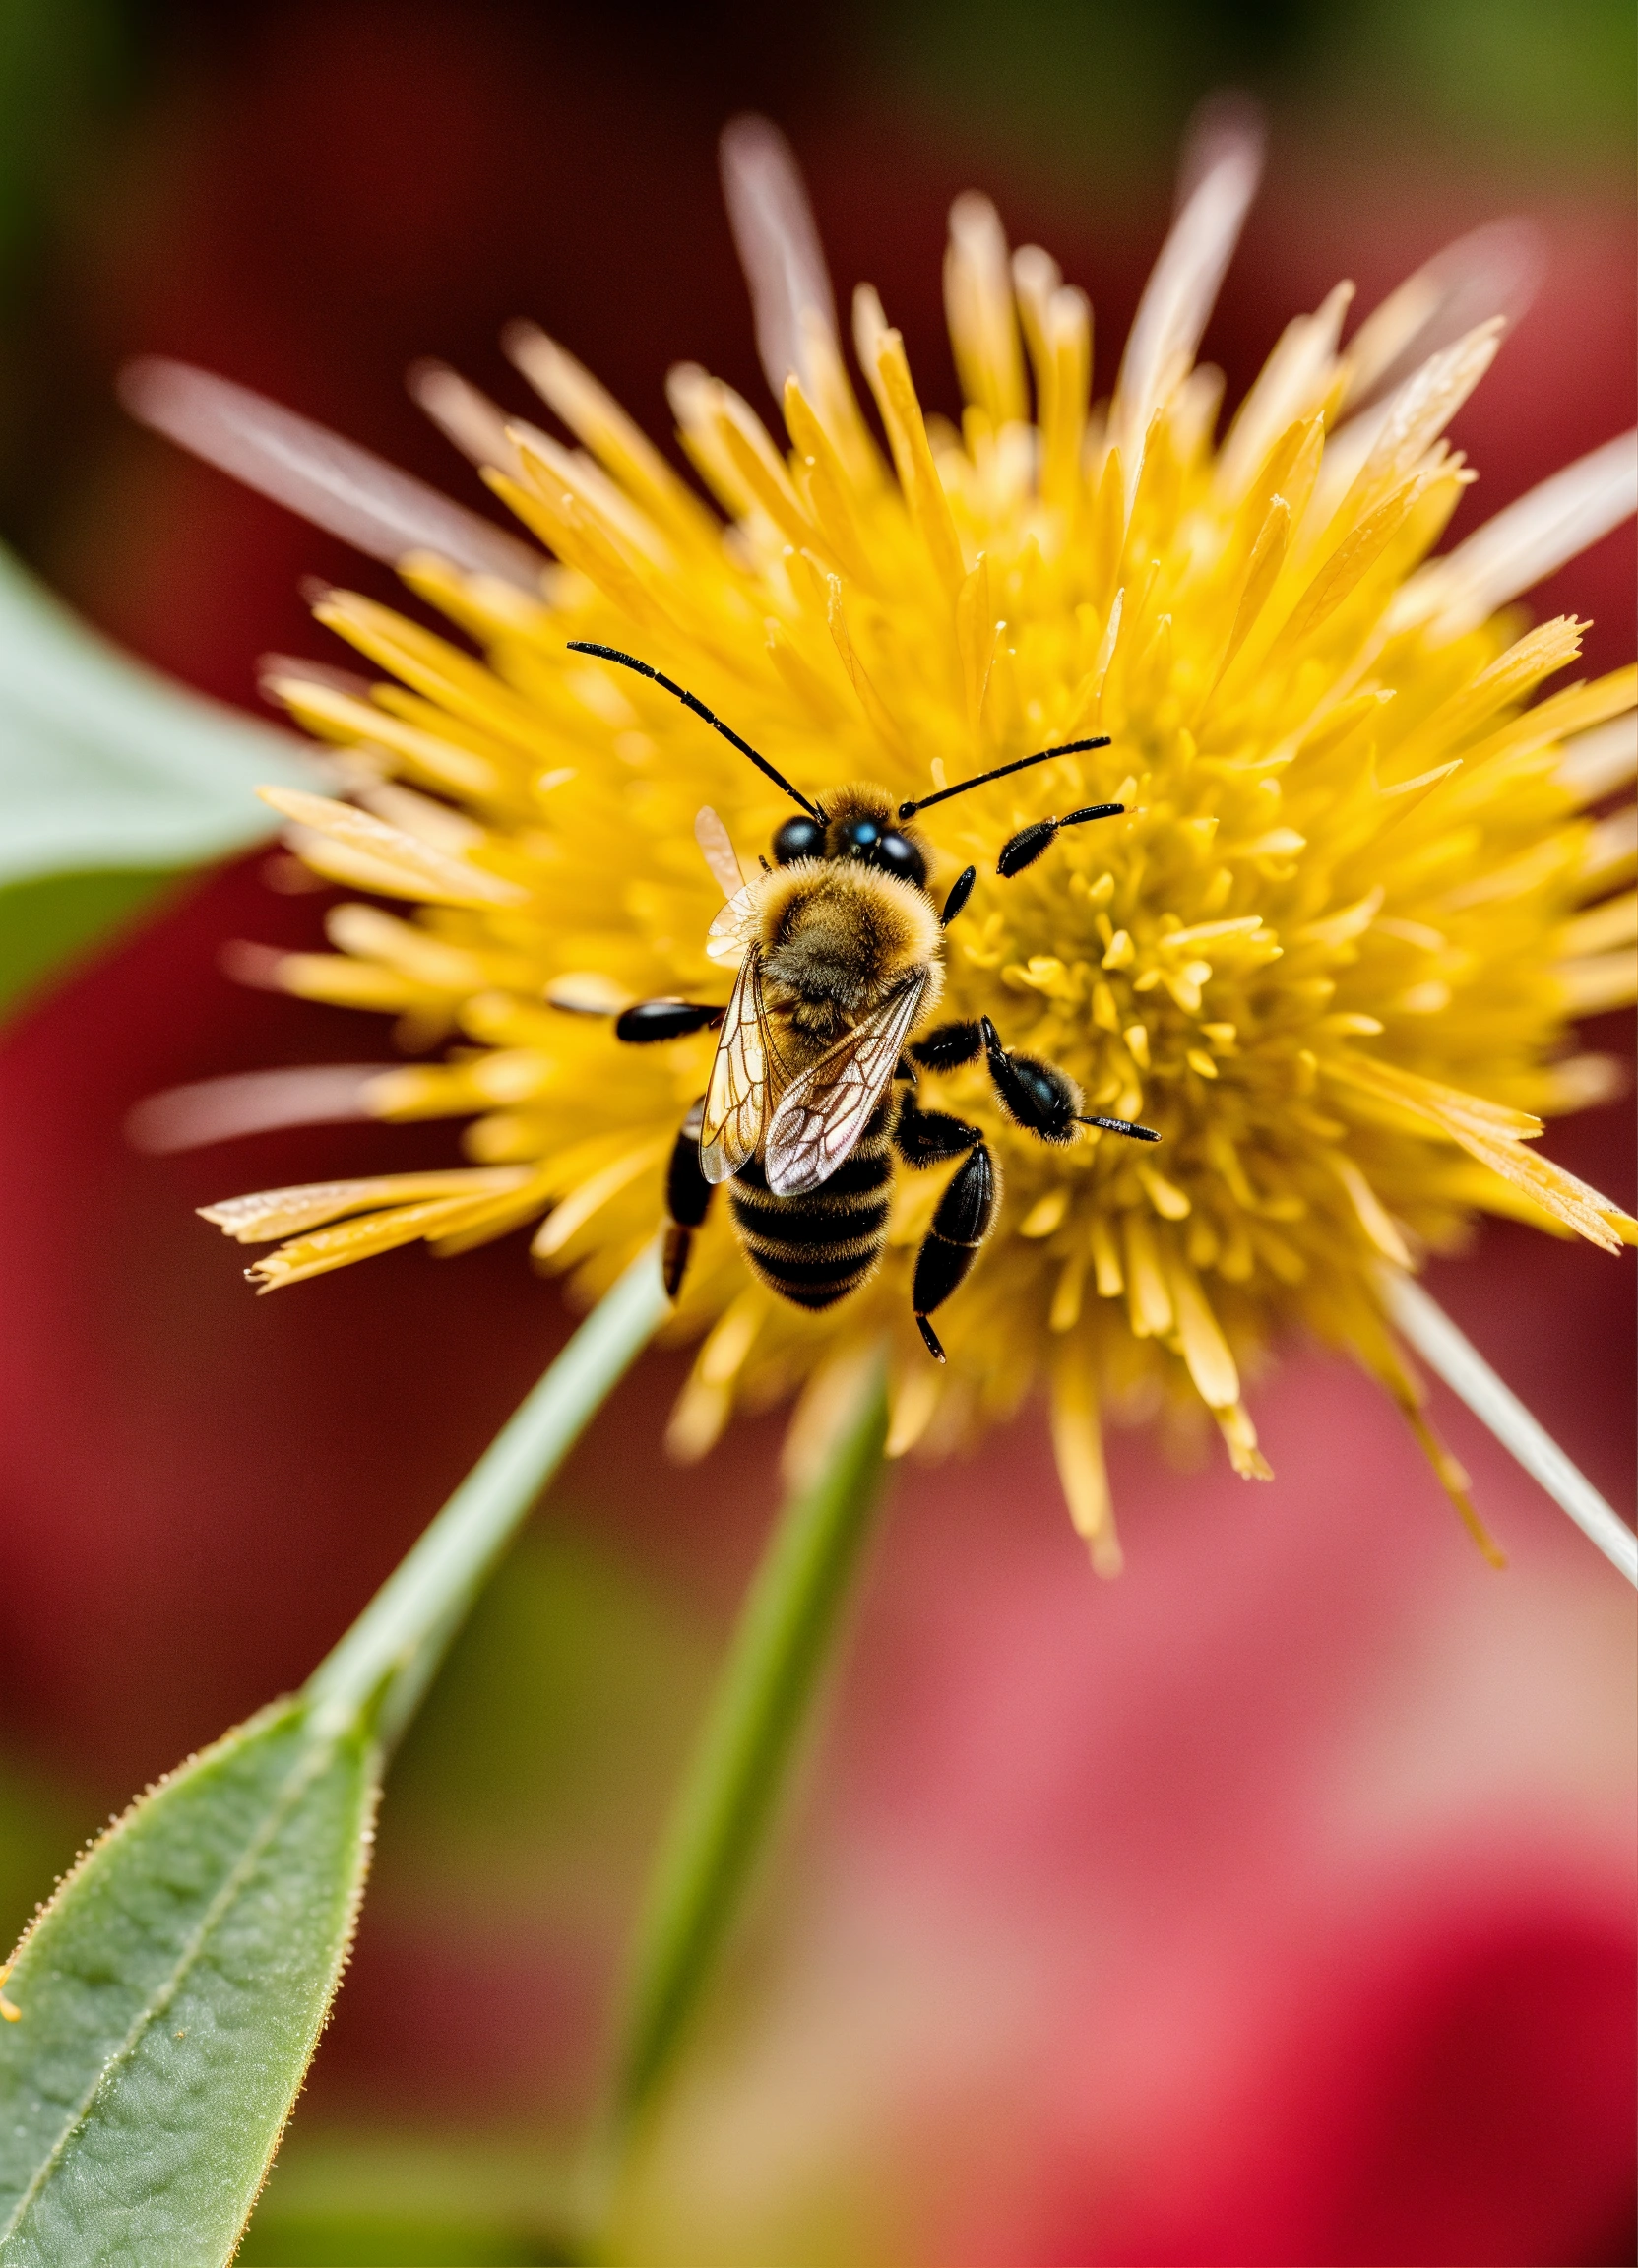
[1070, 748]
[690, 701]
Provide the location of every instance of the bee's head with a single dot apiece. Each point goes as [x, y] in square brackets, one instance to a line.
[860, 826]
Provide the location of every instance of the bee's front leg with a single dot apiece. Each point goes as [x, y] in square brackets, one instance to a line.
[964, 1210]
[961, 891]
[688, 1196]
[1042, 1099]
[651, 1020]
[949, 1047]
[1027, 844]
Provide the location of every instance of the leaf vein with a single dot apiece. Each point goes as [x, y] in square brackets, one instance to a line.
[314, 1758]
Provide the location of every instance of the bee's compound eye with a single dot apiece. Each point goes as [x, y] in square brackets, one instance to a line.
[899, 856]
[799, 838]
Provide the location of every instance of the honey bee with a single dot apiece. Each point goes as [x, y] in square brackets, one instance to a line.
[839, 949]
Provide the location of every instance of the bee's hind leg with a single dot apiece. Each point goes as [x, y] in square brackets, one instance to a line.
[688, 1196]
[688, 1193]
[964, 1210]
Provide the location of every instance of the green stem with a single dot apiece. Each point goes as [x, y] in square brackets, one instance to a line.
[390, 1652]
[751, 1736]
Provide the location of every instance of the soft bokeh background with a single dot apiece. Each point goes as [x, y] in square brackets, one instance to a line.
[1272, 1904]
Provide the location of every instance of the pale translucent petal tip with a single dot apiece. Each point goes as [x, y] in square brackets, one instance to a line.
[1445, 1349]
[337, 485]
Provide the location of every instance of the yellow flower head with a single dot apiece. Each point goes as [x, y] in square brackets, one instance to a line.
[1328, 949]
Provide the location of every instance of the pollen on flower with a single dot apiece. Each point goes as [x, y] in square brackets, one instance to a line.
[1330, 950]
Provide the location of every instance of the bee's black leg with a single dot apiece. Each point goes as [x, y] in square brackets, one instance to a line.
[688, 1196]
[960, 891]
[1044, 1100]
[653, 1020]
[1027, 846]
[1035, 1095]
[964, 1210]
[962, 1221]
[950, 1046]
[930, 1137]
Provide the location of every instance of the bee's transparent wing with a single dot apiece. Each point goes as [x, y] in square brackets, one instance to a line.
[823, 1114]
[716, 847]
[730, 936]
[736, 1100]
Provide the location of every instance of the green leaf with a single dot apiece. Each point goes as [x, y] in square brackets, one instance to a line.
[172, 1993]
[750, 1739]
[109, 774]
[170, 1998]
[523, 1806]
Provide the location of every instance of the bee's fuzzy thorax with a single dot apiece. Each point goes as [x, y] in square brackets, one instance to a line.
[837, 934]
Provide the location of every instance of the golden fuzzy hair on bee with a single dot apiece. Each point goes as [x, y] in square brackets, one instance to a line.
[837, 936]
[863, 800]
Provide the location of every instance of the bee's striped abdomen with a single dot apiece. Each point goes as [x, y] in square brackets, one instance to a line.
[816, 1248]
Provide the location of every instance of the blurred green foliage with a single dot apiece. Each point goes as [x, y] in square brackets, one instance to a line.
[61, 63]
[42, 1828]
[68, 69]
[1089, 88]
[1099, 88]
[1561, 77]
[535, 1776]
[349, 2201]
[113, 780]
[49, 920]
[528, 1792]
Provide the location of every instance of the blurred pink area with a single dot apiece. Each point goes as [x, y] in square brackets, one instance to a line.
[1275, 1902]
[1272, 1904]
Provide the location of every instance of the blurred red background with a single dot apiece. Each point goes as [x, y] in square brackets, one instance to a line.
[1272, 1904]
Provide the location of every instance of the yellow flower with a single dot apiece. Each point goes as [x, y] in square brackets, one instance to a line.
[1330, 951]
